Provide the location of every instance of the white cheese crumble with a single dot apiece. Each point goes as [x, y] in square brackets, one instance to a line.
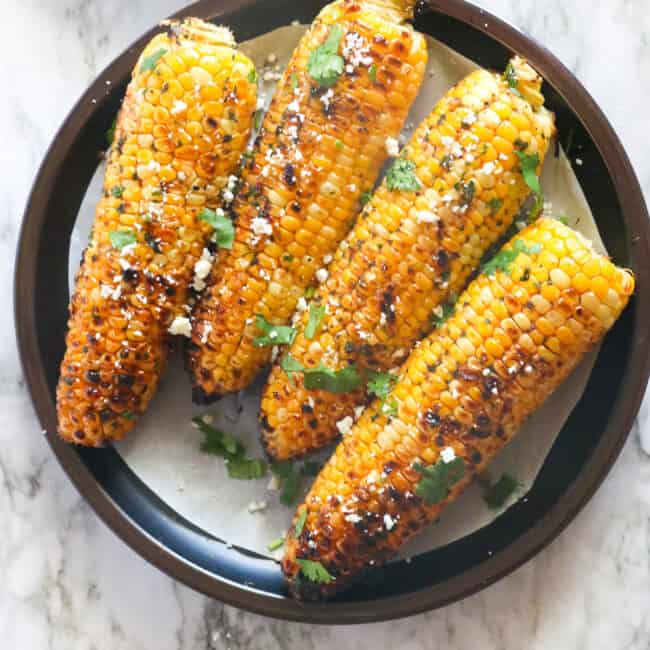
[447, 454]
[322, 275]
[178, 107]
[424, 216]
[327, 98]
[206, 331]
[353, 519]
[579, 162]
[389, 522]
[345, 425]
[358, 410]
[392, 147]
[257, 506]
[181, 327]
[301, 305]
[294, 106]
[202, 269]
[327, 259]
[261, 226]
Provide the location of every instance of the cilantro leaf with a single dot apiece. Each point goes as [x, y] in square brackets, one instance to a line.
[380, 383]
[117, 191]
[224, 231]
[129, 415]
[314, 571]
[121, 238]
[504, 259]
[333, 381]
[310, 292]
[294, 81]
[498, 493]
[246, 468]
[290, 365]
[258, 116]
[274, 334]
[563, 219]
[365, 197]
[290, 488]
[110, 134]
[494, 205]
[281, 468]
[316, 313]
[276, 544]
[325, 66]
[437, 480]
[389, 407]
[401, 176]
[510, 77]
[252, 76]
[529, 164]
[300, 524]
[217, 442]
[149, 62]
[443, 312]
[467, 192]
[311, 468]
[372, 72]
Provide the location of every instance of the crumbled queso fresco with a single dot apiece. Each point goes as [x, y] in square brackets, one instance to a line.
[392, 147]
[181, 326]
[447, 454]
[345, 425]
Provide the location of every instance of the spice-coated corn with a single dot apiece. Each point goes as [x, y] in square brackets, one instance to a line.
[411, 250]
[183, 125]
[320, 148]
[465, 390]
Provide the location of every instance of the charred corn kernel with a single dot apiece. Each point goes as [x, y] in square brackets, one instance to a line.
[127, 294]
[371, 511]
[301, 189]
[408, 254]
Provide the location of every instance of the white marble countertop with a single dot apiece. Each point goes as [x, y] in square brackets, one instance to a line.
[69, 584]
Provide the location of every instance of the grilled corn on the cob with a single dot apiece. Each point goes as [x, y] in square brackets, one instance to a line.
[413, 248]
[519, 330]
[183, 125]
[321, 146]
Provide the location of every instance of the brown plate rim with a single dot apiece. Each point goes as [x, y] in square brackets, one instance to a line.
[523, 548]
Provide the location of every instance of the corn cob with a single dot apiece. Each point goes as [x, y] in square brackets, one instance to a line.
[410, 251]
[183, 125]
[519, 330]
[319, 149]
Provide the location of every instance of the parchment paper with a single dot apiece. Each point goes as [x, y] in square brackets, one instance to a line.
[163, 450]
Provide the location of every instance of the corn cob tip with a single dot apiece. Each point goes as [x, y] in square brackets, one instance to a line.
[401, 10]
[526, 80]
[197, 30]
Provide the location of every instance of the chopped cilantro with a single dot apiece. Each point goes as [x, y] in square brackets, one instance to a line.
[389, 407]
[149, 62]
[372, 72]
[498, 493]
[273, 334]
[294, 81]
[217, 442]
[121, 238]
[401, 176]
[437, 480]
[467, 192]
[529, 164]
[252, 76]
[503, 260]
[494, 205]
[510, 77]
[290, 365]
[365, 197]
[258, 116]
[246, 468]
[290, 487]
[310, 292]
[316, 313]
[310, 468]
[333, 381]
[110, 134]
[447, 310]
[224, 231]
[281, 468]
[129, 415]
[300, 524]
[314, 571]
[339, 144]
[276, 544]
[380, 383]
[563, 219]
[325, 65]
[117, 191]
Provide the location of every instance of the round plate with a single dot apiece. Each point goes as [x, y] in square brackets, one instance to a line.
[578, 462]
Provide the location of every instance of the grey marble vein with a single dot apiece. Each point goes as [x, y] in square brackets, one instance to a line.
[69, 584]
